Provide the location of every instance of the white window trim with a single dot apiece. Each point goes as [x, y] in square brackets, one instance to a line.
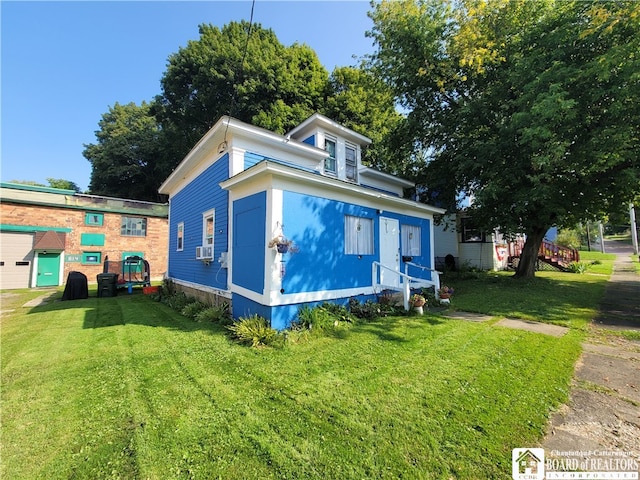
[411, 240]
[205, 216]
[334, 140]
[180, 228]
[358, 235]
[353, 147]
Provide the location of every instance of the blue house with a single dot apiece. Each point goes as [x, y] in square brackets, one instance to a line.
[242, 190]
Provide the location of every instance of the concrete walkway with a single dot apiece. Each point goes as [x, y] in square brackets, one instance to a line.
[603, 412]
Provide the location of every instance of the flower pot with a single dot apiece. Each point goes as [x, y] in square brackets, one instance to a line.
[419, 310]
[282, 248]
[445, 296]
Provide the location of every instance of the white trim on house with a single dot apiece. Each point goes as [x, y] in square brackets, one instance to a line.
[293, 179]
[201, 287]
[234, 136]
[318, 121]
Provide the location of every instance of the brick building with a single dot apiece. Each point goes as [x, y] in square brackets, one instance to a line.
[45, 233]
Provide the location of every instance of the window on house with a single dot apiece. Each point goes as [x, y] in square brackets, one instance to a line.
[411, 240]
[91, 258]
[133, 227]
[351, 163]
[93, 219]
[470, 232]
[180, 237]
[208, 228]
[358, 235]
[330, 163]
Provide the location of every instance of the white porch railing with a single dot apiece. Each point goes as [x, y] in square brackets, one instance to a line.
[405, 281]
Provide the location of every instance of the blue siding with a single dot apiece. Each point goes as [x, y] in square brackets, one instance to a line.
[310, 140]
[249, 241]
[251, 159]
[317, 226]
[187, 206]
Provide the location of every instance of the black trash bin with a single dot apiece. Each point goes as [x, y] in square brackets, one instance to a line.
[76, 287]
[107, 284]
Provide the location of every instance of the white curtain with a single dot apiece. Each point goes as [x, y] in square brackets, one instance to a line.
[358, 235]
[411, 240]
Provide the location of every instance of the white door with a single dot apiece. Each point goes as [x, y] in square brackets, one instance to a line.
[389, 251]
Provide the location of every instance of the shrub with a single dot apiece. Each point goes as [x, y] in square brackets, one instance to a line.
[366, 311]
[340, 312]
[191, 310]
[255, 331]
[577, 267]
[216, 314]
[569, 238]
[177, 301]
[316, 318]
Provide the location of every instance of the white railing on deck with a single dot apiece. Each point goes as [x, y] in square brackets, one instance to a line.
[406, 281]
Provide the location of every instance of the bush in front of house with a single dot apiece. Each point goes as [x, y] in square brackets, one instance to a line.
[255, 331]
[191, 310]
[215, 314]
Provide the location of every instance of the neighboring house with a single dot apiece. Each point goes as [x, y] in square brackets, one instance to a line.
[45, 233]
[459, 243]
[469, 246]
[241, 187]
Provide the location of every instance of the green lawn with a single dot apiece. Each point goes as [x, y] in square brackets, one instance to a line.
[126, 388]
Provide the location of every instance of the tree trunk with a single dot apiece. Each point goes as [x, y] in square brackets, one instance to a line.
[529, 258]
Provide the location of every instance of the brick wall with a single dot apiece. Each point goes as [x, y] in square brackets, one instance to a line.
[153, 245]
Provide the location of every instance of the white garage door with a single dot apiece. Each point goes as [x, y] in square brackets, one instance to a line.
[16, 259]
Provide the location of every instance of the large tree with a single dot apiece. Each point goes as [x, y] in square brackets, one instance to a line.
[530, 107]
[360, 100]
[270, 85]
[242, 70]
[127, 160]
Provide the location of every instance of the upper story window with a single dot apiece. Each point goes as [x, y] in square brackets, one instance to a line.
[351, 163]
[93, 219]
[330, 163]
[133, 227]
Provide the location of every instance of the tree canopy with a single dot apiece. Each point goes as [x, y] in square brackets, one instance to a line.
[271, 86]
[53, 183]
[128, 159]
[532, 108]
[361, 101]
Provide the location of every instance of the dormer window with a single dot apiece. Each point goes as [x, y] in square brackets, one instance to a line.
[330, 163]
[351, 163]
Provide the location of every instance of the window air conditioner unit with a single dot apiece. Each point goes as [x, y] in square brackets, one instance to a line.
[204, 253]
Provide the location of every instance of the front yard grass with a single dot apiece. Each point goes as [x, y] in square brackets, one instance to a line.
[126, 388]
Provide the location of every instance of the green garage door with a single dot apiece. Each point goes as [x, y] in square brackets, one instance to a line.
[48, 269]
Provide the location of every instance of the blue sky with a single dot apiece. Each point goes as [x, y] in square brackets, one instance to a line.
[65, 63]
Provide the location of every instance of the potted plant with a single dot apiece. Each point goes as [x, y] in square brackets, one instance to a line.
[282, 244]
[445, 292]
[417, 302]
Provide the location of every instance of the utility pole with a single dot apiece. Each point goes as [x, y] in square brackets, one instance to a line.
[634, 228]
[601, 234]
